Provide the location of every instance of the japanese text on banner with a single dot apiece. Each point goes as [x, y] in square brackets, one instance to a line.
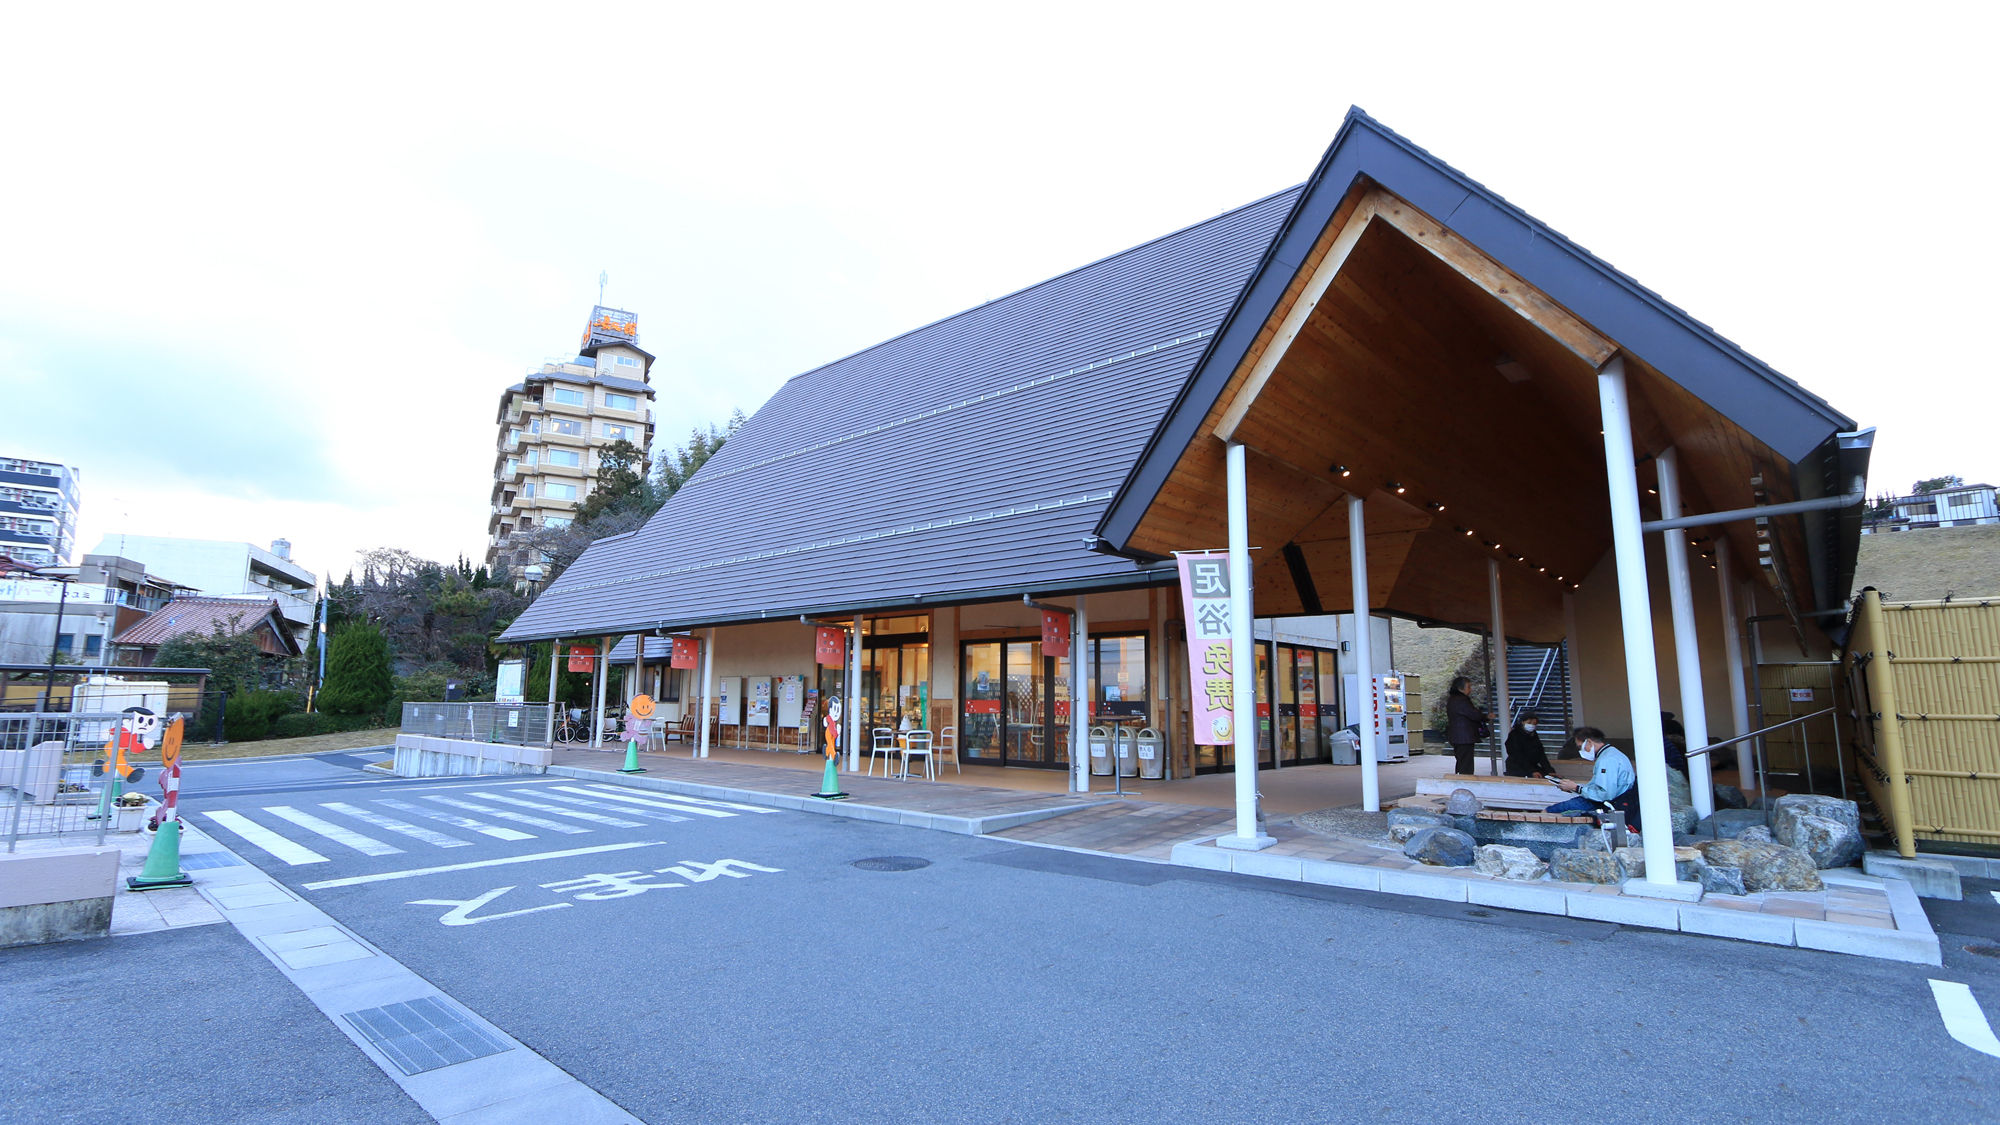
[1205, 603]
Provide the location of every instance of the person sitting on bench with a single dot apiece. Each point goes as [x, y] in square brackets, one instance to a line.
[1611, 781]
[1526, 756]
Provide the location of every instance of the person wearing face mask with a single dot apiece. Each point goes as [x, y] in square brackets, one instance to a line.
[1612, 780]
[1526, 757]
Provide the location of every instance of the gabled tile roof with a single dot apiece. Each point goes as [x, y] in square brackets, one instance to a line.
[200, 615]
[966, 460]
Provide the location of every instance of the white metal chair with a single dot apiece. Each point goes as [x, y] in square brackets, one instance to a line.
[948, 744]
[884, 742]
[917, 742]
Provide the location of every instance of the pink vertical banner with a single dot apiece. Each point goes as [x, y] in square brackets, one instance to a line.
[1205, 603]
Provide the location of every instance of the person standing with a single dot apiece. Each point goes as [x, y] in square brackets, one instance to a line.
[1464, 726]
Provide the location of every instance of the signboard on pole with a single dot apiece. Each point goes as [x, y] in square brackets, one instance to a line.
[830, 647]
[1205, 603]
[687, 653]
[1055, 633]
[508, 686]
[580, 657]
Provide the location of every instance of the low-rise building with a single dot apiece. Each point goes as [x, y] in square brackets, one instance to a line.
[39, 501]
[554, 427]
[1964, 505]
[219, 568]
[106, 595]
[200, 616]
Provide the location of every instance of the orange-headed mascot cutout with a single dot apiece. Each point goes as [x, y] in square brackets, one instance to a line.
[136, 733]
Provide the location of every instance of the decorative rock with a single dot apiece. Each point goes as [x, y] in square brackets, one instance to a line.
[1727, 824]
[1789, 811]
[1719, 880]
[1678, 792]
[1685, 818]
[1687, 864]
[1633, 860]
[1574, 865]
[1510, 862]
[1756, 834]
[1462, 803]
[1441, 847]
[1765, 867]
[1827, 842]
[1730, 797]
[1405, 823]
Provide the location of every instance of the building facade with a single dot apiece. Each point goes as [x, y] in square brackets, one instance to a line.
[554, 427]
[219, 568]
[1963, 505]
[105, 596]
[38, 510]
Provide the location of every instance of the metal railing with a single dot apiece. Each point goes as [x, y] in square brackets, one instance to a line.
[51, 784]
[512, 724]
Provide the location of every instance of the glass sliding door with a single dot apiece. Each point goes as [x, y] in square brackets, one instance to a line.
[1016, 703]
[1286, 681]
[980, 721]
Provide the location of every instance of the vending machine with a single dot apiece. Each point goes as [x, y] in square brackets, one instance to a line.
[1391, 734]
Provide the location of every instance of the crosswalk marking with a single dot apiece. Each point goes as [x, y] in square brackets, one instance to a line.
[577, 813]
[690, 800]
[1963, 1018]
[519, 818]
[457, 821]
[278, 846]
[392, 824]
[367, 845]
[628, 799]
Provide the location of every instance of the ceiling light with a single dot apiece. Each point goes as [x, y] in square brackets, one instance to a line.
[1396, 488]
[1435, 506]
[1463, 530]
[1541, 570]
[1652, 492]
[1340, 470]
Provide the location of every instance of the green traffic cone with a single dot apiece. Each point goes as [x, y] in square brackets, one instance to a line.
[632, 758]
[829, 786]
[163, 861]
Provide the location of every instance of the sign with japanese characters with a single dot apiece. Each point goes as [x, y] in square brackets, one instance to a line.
[580, 657]
[1055, 633]
[1206, 604]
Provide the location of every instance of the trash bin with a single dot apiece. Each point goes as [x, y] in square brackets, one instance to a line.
[1346, 748]
[1128, 763]
[1100, 752]
[1152, 756]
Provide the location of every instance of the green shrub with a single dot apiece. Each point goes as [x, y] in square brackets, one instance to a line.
[249, 714]
[300, 725]
[358, 680]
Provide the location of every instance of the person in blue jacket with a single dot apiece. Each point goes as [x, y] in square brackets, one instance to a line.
[1612, 780]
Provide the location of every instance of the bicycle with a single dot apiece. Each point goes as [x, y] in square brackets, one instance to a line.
[570, 730]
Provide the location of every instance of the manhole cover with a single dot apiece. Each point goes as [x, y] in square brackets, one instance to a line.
[1984, 950]
[892, 863]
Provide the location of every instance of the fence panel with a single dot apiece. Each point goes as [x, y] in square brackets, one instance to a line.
[513, 724]
[51, 784]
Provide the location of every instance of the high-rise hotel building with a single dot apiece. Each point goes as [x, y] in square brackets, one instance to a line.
[554, 426]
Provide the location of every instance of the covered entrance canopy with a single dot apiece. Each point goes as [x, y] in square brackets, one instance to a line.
[1447, 374]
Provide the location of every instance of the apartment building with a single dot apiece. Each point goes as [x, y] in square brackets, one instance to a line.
[39, 501]
[554, 426]
[221, 568]
[1963, 505]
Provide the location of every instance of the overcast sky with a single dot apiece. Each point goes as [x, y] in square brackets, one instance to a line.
[266, 271]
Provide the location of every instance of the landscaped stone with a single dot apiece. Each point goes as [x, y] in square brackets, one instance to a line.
[1730, 797]
[1510, 862]
[1441, 847]
[1405, 823]
[1719, 880]
[1632, 860]
[1828, 842]
[1756, 834]
[1685, 818]
[1461, 803]
[1574, 865]
[1787, 809]
[1539, 838]
[1765, 867]
[1687, 861]
[1727, 824]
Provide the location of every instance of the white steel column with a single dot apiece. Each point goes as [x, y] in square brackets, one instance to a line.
[555, 654]
[1243, 661]
[1732, 644]
[1079, 702]
[1687, 642]
[854, 723]
[1569, 659]
[602, 673]
[1364, 655]
[707, 687]
[1635, 610]
[1503, 721]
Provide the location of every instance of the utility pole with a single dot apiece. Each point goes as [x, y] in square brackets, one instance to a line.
[320, 683]
[62, 602]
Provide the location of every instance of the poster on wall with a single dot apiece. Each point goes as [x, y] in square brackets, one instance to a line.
[687, 653]
[507, 687]
[1205, 602]
[830, 646]
[791, 700]
[729, 692]
[758, 695]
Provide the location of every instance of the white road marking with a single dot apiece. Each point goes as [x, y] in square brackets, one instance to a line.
[457, 821]
[1963, 1018]
[1995, 894]
[357, 880]
[461, 785]
[394, 825]
[519, 818]
[629, 799]
[460, 914]
[278, 846]
[689, 800]
[367, 845]
[594, 818]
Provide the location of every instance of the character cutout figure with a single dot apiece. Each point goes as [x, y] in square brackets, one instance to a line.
[832, 725]
[137, 732]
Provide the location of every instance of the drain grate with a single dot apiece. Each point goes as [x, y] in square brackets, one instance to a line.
[1984, 950]
[200, 860]
[425, 1034]
[892, 863]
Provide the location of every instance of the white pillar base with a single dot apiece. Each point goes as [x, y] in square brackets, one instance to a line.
[1676, 892]
[1252, 844]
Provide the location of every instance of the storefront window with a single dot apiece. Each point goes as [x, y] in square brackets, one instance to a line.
[1015, 708]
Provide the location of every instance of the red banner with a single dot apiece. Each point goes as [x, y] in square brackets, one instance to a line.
[982, 707]
[580, 657]
[1055, 633]
[687, 653]
[830, 646]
